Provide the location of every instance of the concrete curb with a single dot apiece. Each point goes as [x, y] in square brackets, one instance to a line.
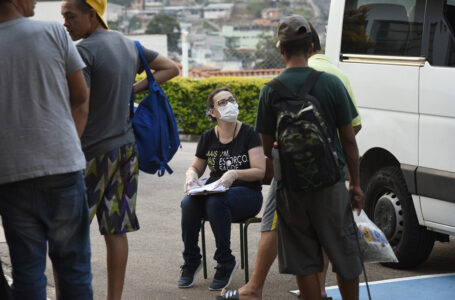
[189, 137]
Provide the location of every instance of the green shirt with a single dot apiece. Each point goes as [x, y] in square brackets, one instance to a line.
[322, 63]
[329, 90]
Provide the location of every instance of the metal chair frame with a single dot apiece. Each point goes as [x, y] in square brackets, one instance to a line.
[243, 245]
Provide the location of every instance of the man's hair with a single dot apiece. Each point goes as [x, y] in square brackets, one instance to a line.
[85, 8]
[315, 39]
[297, 47]
[82, 5]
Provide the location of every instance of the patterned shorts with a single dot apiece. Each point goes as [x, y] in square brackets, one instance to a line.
[111, 181]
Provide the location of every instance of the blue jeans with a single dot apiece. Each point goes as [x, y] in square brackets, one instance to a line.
[48, 210]
[238, 203]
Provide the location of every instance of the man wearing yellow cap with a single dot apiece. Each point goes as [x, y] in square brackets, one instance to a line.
[108, 141]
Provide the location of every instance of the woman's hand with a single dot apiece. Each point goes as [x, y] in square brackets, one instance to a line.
[191, 180]
[228, 179]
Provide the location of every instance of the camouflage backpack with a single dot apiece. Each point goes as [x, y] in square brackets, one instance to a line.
[307, 155]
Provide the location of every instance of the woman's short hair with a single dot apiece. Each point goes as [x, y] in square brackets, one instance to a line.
[210, 102]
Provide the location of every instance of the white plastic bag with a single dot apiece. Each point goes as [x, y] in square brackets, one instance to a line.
[374, 246]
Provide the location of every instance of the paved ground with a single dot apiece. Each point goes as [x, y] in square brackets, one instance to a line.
[155, 250]
[441, 287]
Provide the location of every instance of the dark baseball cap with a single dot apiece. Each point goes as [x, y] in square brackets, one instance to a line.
[293, 28]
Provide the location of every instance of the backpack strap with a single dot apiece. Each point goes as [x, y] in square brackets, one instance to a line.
[282, 92]
[309, 83]
[280, 88]
[150, 78]
[132, 104]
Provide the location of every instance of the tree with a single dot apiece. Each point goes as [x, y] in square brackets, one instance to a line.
[255, 7]
[134, 24]
[162, 24]
[267, 55]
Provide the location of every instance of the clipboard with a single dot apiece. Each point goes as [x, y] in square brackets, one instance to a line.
[207, 189]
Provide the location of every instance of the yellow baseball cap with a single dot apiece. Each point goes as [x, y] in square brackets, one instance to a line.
[100, 7]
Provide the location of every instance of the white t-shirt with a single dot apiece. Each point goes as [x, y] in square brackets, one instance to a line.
[38, 136]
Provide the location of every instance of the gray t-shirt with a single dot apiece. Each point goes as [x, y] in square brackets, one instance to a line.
[37, 135]
[112, 64]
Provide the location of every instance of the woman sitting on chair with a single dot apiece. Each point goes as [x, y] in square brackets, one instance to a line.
[234, 154]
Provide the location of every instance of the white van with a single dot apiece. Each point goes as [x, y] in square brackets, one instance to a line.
[400, 58]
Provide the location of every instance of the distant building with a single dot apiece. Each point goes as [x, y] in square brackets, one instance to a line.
[157, 42]
[137, 4]
[114, 12]
[265, 25]
[153, 4]
[206, 48]
[245, 37]
[271, 14]
[218, 11]
[180, 2]
[219, 1]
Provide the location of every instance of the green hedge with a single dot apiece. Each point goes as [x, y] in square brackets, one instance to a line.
[188, 99]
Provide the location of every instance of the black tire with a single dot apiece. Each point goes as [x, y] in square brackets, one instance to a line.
[389, 204]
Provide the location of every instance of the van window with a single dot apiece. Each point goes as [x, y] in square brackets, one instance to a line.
[383, 27]
[441, 19]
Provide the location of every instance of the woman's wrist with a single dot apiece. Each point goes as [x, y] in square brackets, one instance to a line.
[235, 174]
[191, 172]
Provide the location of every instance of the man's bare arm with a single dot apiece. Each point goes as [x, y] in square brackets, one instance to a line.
[165, 69]
[357, 128]
[267, 144]
[79, 99]
[351, 152]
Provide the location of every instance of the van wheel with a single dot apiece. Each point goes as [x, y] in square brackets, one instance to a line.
[389, 204]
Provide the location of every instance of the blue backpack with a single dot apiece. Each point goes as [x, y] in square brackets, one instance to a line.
[154, 126]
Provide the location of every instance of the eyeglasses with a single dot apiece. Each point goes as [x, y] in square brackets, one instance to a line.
[225, 101]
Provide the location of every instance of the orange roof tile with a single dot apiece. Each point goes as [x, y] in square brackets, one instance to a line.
[207, 72]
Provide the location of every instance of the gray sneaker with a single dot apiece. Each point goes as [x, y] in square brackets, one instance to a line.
[188, 273]
[223, 275]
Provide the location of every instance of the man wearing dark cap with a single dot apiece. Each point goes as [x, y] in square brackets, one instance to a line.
[295, 46]
[108, 141]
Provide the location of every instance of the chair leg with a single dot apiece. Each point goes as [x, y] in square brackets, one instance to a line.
[245, 250]
[242, 252]
[204, 260]
[245, 245]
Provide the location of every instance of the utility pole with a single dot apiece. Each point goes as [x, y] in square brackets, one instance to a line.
[185, 49]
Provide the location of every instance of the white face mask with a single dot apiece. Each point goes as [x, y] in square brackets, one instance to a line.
[229, 112]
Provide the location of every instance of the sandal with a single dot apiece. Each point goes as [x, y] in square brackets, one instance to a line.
[233, 295]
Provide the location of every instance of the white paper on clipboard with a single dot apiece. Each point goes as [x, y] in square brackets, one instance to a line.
[207, 189]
